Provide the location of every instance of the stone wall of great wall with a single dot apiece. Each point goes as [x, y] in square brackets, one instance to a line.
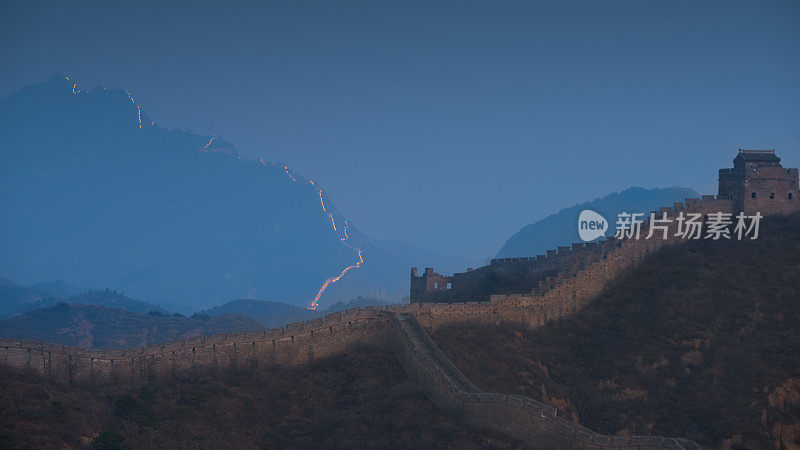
[292, 344]
[565, 281]
[534, 275]
[527, 421]
[401, 329]
[583, 272]
[533, 424]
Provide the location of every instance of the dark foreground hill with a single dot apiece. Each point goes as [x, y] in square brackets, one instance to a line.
[103, 327]
[561, 228]
[361, 399]
[701, 341]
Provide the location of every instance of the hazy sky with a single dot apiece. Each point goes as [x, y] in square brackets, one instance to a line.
[444, 124]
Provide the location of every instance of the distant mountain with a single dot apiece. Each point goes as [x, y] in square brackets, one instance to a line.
[93, 326]
[561, 228]
[59, 288]
[113, 299]
[420, 257]
[101, 195]
[276, 314]
[269, 314]
[15, 298]
[358, 302]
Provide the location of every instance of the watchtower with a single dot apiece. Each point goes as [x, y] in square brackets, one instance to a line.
[758, 183]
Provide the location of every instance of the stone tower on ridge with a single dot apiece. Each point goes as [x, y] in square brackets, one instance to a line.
[758, 183]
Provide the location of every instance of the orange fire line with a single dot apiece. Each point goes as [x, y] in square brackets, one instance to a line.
[286, 169]
[329, 281]
[344, 239]
[209, 143]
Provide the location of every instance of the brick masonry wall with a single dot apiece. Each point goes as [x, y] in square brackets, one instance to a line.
[576, 284]
[293, 344]
[532, 423]
[398, 328]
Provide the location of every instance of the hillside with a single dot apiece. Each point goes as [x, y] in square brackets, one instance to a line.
[561, 228]
[700, 341]
[269, 314]
[420, 257]
[276, 314]
[59, 288]
[104, 196]
[361, 399]
[16, 299]
[103, 327]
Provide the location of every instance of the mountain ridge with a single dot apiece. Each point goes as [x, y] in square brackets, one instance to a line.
[96, 326]
[560, 228]
[170, 216]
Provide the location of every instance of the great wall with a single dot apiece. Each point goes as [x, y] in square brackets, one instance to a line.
[566, 280]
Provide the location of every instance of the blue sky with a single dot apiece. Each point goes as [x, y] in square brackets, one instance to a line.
[444, 124]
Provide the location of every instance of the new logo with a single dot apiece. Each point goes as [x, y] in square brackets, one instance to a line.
[591, 225]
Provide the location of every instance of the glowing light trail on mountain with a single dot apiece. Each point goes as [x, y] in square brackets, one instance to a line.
[209, 143]
[286, 169]
[341, 232]
[137, 107]
[330, 281]
[344, 240]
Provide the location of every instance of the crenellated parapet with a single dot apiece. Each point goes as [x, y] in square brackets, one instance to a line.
[292, 344]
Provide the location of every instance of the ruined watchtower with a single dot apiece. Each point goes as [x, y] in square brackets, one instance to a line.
[758, 183]
[430, 287]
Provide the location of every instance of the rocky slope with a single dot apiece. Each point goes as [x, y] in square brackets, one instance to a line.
[700, 341]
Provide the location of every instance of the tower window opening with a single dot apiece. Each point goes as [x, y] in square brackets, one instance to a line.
[449, 285]
[753, 195]
[790, 195]
[772, 196]
[436, 285]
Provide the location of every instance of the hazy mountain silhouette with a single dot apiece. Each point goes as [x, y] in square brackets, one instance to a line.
[276, 314]
[561, 228]
[421, 257]
[16, 299]
[270, 314]
[97, 194]
[104, 327]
